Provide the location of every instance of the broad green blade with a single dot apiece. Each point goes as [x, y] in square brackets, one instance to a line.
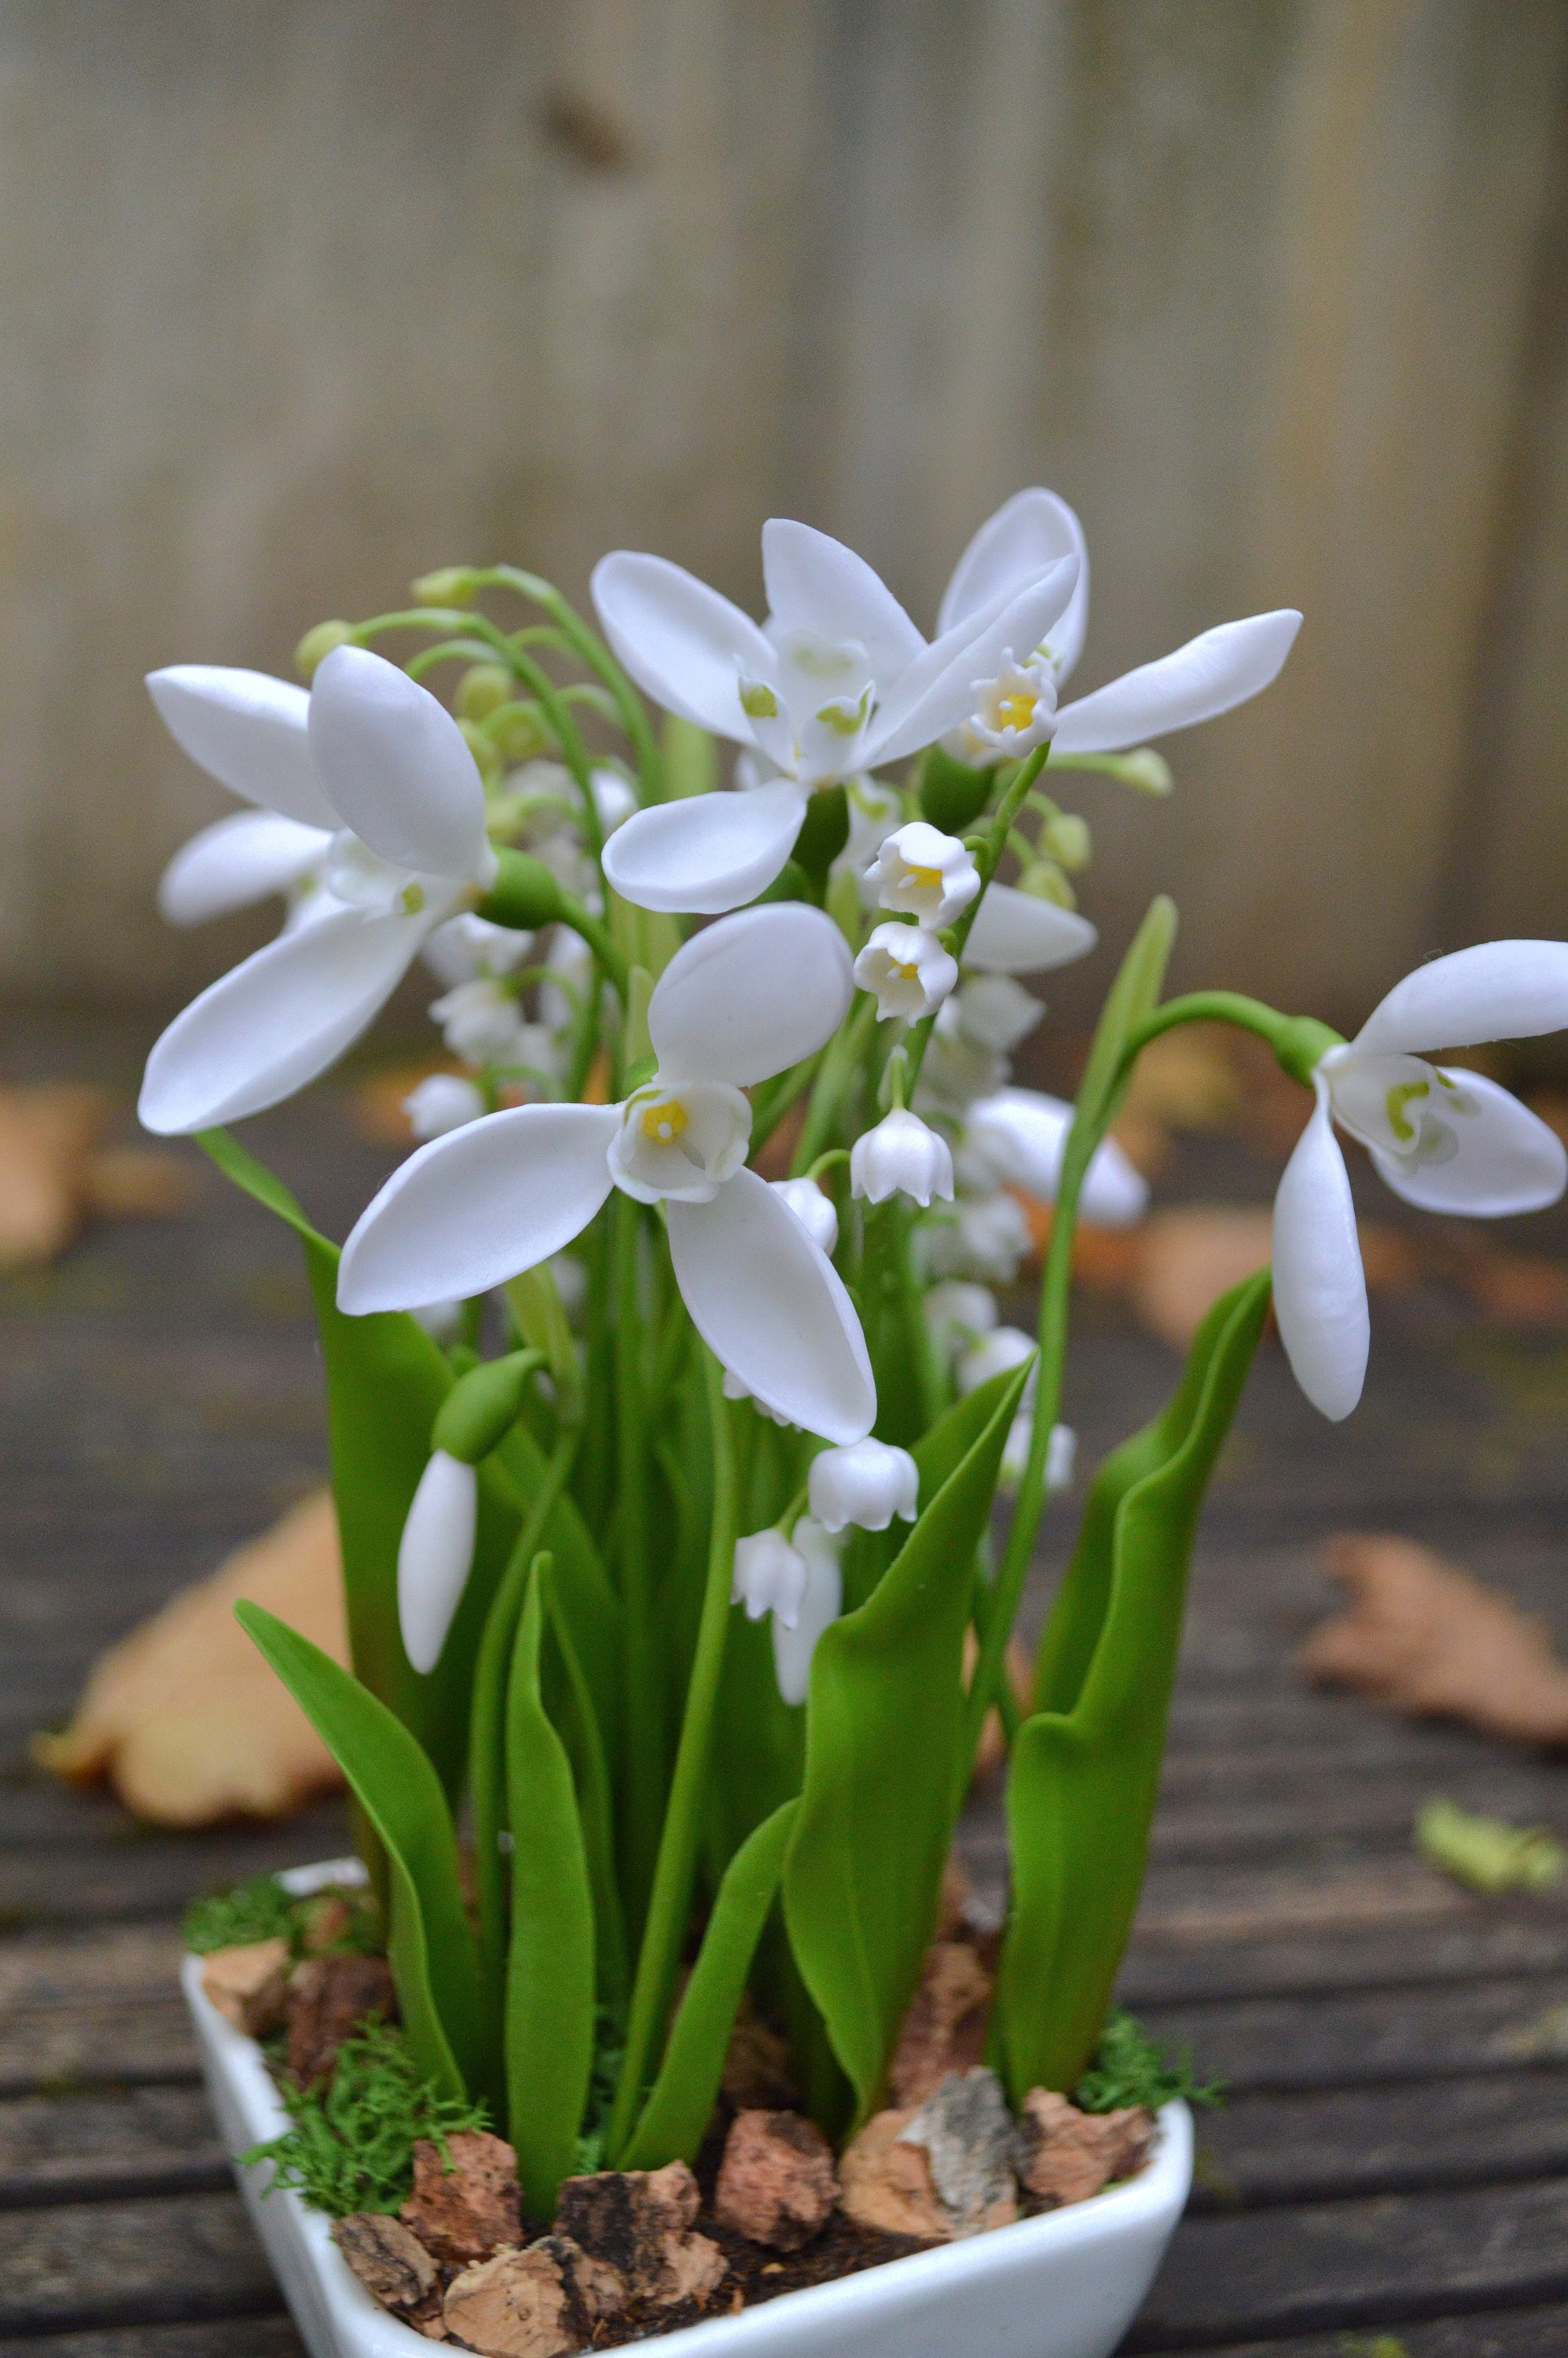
[430, 1946]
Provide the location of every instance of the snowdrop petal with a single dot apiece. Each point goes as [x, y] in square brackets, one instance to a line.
[1320, 1287]
[1220, 668]
[273, 1023]
[397, 766]
[684, 644]
[1508, 1160]
[937, 691]
[1023, 1135]
[434, 1557]
[1015, 933]
[1498, 990]
[1022, 540]
[237, 860]
[474, 1207]
[752, 995]
[815, 583]
[774, 1309]
[247, 731]
[706, 853]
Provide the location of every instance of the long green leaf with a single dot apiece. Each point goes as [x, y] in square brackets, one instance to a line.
[681, 2103]
[430, 1946]
[864, 1870]
[1083, 1776]
[550, 1964]
[1132, 996]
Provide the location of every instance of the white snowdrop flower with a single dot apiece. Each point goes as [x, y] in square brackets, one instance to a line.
[1003, 1349]
[819, 1607]
[984, 1236]
[958, 1315]
[1018, 1137]
[1449, 1141]
[813, 1209]
[925, 874]
[467, 947]
[740, 1001]
[1211, 673]
[240, 860]
[443, 1101]
[368, 758]
[837, 682]
[994, 1012]
[1014, 712]
[867, 1484]
[902, 1156]
[435, 1556]
[481, 1023]
[770, 1577]
[906, 969]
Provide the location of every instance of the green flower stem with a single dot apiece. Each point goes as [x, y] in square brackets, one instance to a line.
[597, 655]
[1298, 1041]
[671, 1904]
[643, 1690]
[596, 936]
[834, 1074]
[928, 1381]
[487, 1763]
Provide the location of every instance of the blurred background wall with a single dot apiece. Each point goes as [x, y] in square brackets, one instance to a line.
[300, 297]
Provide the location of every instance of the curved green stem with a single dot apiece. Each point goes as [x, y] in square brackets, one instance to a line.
[597, 655]
[1298, 1041]
[596, 936]
[671, 1903]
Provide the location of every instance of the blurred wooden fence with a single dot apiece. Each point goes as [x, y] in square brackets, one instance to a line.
[300, 296]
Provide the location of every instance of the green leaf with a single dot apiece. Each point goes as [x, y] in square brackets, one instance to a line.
[573, 1709]
[680, 2105]
[550, 1964]
[385, 1382]
[864, 1870]
[938, 1455]
[429, 1945]
[1085, 1774]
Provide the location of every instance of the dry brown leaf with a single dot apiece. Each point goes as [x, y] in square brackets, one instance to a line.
[183, 1716]
[48, 1134]
[1430, 1642]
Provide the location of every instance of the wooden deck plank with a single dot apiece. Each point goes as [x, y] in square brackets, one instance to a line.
[235, 2337]
[147, 2261]
[81, 2149]
[1485, 2130]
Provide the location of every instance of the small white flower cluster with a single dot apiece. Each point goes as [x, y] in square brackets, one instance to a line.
[797, 1576]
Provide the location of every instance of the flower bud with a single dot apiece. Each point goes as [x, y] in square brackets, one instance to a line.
[794, 1645]
[1045, 881]
[483, 1407]
[1066, 839]
[517, 732]
[901, 1157]
[524, 895]
[866, 1484]
[483, 688]
[907, 970]
[443, 1101]
[435, 1556]
[927, 875]
[318, 644]
[813, 1209]
[450, 585]
[1144, 769]
[770, 1577]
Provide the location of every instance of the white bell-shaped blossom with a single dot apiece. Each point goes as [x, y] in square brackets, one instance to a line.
[1020, 1136]
[867, 1485]
[957, 1315]
[770, 1577]
[740, 1001]
[1208, 675]
[1061, 1453]
[470, 948]
[994, 1012]
[482, 1022]
[837, 681]
[369, 757]
[902, 1156]
[442, 1102]
[238, 861]
[907, 971]
[1014, 712]
[820, 1604]
[995, 1354]
[435, 1556]
[983, 1237]
[924, 875]
[813, 1209]
[1449, 1141]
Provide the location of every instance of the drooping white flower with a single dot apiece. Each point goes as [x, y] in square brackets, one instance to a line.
[906, 969]
[958, 1315]
[435, 1556]
[770, 1577]
[1061, 1453]
[902, 1156]
[837, 681]
[983, 1237]
[1449, 1141]
[1020, 1136]
[1014, 712]
[740, 1001]
[819, 1607]
[998, 1353]
[1208, 675]
[924, 875]
[240, 860]
[467, 948]
[813, 1209]
[867, 1484]
[443, 1101]
[481, 1023]
[368, 755]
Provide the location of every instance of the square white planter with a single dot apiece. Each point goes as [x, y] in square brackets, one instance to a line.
[1065, 2285]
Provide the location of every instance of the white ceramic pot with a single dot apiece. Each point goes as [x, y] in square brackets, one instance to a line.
[1065, 2285]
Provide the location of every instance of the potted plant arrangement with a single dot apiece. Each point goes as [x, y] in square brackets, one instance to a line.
[687, 1480]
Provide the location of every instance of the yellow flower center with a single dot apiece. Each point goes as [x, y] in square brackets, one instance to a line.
[1016, 710]
[664, 1122]
[929, 880]
[911, 973]
[1394, 1103]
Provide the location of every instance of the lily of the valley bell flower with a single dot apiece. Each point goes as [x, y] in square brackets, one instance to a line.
[821, 1602]
[924, 875]
[770, 1577]
[837, 680]
[1018, 1136]
[867, 1485]
[739, 1002]
[1449, 1141]
[369, 755]
[902, 1156]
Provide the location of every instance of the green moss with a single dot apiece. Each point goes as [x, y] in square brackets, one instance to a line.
[1128, 2069]
[349, 2144]
[257, 1910]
